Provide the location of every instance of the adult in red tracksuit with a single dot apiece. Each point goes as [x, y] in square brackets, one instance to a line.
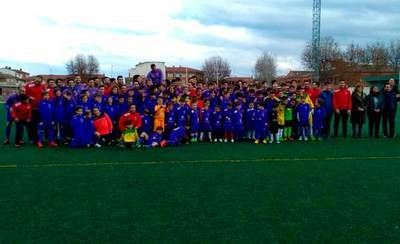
[131, 116]
[103, 128]
[342, 105]
[21, 112]
[34, 91]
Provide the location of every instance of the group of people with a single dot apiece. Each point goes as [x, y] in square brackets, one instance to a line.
[152, 112]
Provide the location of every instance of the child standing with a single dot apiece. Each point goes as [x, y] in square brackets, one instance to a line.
[130, 136]
[238, 126]
[318, 120]
[194, 123]
[46, 123]
[159, 114]
[250, 118]
[261, 124]
[89, 129]
[205, 122]
[217, 124]
[289, 120]
[280, 111]
[303, 116]
[228, 126]
[77, 125]
[273, 125]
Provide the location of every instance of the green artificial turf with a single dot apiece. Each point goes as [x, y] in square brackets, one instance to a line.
[339, 191]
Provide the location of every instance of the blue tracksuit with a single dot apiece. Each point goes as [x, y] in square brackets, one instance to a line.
[88, 135]
[59, 117]
[250, 119]
[303, 113]
[46, 124]
[261, 124]
[238, 125]
[111, 111]
[205, 121]
[171, 120]
[217, 123]
[9, 103]
[78, 131]
[147, 124]
[177, 136]
[318, 121]
[228, 116]
[194, 121]
[86, 105]
[121, 109]
[154, 138]
[182, 116]
[100, 106]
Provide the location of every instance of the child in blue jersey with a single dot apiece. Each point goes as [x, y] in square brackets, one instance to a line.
[238, 125]
[228, 123]
[194, 122]
[111, 110]
[89, 130]
[171, 116]
[98, 103]
[182, 113]
[318, 119]
[303, 111]
[85, 103]
[121, 107]
[261, 124]
[250, 122]
[46, 123]
[78, 129]
[147, 123]
[69, 112]
[154, 139]
[177, 137]
[59, 118]
[205, 122]
[217, 124]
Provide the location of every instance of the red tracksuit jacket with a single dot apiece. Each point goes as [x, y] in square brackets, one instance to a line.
[132, 117]
[21, 111]
[342, 99]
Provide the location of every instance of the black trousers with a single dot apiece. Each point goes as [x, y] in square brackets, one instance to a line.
[357, 129]
[344, 117]
[389, 120]
[326, 131]
[19, 130]
[33, 125]
[374, 122]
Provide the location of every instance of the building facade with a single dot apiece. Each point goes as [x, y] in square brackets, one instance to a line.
[10, 80]
[183, 73]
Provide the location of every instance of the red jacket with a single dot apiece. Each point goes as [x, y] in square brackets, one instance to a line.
[34, 92]
[130, 117]
[313, 93]
[103, 125]
[21, 111]
[342, 99]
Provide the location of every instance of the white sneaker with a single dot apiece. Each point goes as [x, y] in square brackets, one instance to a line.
[97, 145]
[220, 140]
[233, 141]
[226, 140]
[306, 139]
[301, 139]
[216, 140]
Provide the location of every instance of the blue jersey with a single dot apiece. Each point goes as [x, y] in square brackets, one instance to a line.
[237, 118]
[88, 131]
[250, 119]
[228, 116]
[303, 113]
[154, 138]
[121, 109]
[46, 111]
[78, 131]
[86, 105]
[319, 117]
[182, 116]
[147, 124]
[177, 135]
[59, 115]
[69, 110]
[261, 122]
[205, 120]
[194, 120]
[217, 120]
[111, 111]
[9, 103]
[99, 105]
[171, 116]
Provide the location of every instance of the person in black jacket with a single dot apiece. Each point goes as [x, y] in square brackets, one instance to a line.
[358, 111]
[389, 111]
[374, 111]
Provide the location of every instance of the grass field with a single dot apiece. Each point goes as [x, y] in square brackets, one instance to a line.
[339, 191]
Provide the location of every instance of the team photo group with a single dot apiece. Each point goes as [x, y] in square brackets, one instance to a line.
[154, 112]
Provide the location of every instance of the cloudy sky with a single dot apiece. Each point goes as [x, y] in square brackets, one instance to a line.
[40, 36]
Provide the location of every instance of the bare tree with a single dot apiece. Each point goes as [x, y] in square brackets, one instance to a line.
[394, 55]
[377, 54]
[82, 65]
[216, 69]
[92, 65]
[265, 67]
[355, 54]
[330, 52]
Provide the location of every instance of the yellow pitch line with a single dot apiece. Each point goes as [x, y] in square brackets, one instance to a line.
[232, 161]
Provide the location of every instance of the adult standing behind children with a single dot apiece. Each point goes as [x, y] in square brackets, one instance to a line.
[155, 75]
[342, 104]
